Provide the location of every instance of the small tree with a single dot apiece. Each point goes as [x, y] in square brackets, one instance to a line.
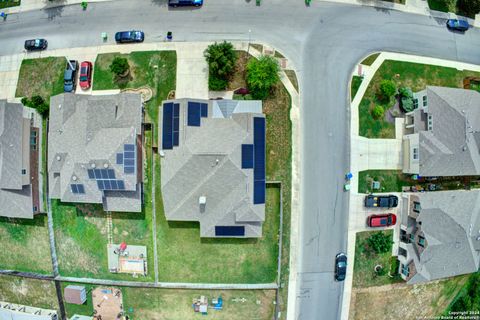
[406, 99]
[221, 58]
[262, 75]
[377, 112]
[119, 66]
[387, 89]
[37, 102]
[380, 242]
[469, 8]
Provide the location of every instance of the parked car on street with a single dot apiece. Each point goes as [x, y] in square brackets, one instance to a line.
[340, 266]
[381, 220]
[384, 201]
[85, 75]
[70, 76]
[457, 25]
[184, 3]
[36, 44]
[129, 36]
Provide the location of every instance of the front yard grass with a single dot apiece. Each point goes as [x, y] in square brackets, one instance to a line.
[366, 260]
[25, 245]
[43, 77]
[413, 75]
[356, 82]
[30, 292]
[9, 3]
[390, 180]
[368, 61]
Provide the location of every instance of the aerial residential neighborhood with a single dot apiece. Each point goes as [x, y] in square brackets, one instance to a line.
[187, 159]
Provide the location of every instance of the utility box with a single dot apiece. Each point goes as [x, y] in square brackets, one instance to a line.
[75, 294]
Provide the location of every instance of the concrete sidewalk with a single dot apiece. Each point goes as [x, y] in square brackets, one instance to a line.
[28, 5]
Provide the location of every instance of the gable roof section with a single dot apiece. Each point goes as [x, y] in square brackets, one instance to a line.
[11, 118]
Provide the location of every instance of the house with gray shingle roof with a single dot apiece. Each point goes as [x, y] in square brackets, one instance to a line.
[443, 134]
[439, 235]
[95, 150]
[21, 193]
[213, 165]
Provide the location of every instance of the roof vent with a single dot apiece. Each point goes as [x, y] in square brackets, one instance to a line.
[74, 178]
[202, 200]
[59, 106]
[93, 165]
[105, 165]
[58, 158]
[478, 238]
[162, 153]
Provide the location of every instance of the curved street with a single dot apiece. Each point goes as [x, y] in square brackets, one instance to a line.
[323, 42]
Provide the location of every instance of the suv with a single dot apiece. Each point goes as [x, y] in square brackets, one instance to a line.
[129, 36]
[70, 76]
[340, 266]
[381, 220]
[458, 25]
[184, 3]
[36, 44]
[386, 201]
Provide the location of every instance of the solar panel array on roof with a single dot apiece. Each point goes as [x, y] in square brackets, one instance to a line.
[167, 126]
[111, 184]
[194, 114]
[129, 158]
[204, 110]
[119, 158]
[77, 188]
[259, 160]
[247, 156]
[101, 173]
[176, 123]
[230, 231]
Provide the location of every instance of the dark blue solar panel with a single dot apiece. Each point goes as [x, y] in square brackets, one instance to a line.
[107, 184]
[129, 155]
[74, 188]
[104, 173]
[119, 158]
[204, 110]
[226, 231]
[120, 185]
[167, 126]
[81, 188]
[98, 174]
[175, 139]
[111, 174]
[176, 125]
[259, 191]
[129, 147]
[259, 148]
[91, 174]
[176, 110]
[247, 156]
[129, 162]
[113, 184]
[193, 114]
[129, 169]
[100, 184]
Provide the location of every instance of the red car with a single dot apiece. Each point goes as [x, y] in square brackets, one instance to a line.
[85, 75]
[381, 220]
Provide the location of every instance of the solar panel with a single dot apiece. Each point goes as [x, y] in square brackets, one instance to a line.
[107, 184]
[229, 231]
[176, 110]
[91, 174]
[129, 147]
[247, 156]
[129, 155]
[111, 174]
[204, 110]
[259, 148]
[100, 184]
[259, 191]
[113, 184]
[120, 185]
[193, 114]
[119, 158]
[74, 188]
[129, 162]
[129, 169]
[176, 139]
[81, 188]
[98, 174]
[167, 129]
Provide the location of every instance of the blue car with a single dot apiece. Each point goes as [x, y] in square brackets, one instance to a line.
[183, 3]
[457, 25]
[129, 36]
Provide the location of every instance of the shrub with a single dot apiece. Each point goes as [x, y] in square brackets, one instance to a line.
[380, 242]
[387, 89]
[221, 58]
[37, 102]
[406, 99]
[468, 8]
[377, 112]
[119, 66]
[262, 75]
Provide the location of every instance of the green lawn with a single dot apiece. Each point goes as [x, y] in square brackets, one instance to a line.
[414, 75]
[43, 77]
[25, 245]
[30, 292]
[9, 3]
[155, 69]
[390, 180]
[366, 260]
[356, 82]
[368, 61]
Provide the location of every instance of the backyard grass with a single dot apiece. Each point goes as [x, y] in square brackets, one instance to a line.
[390, 180]
[356, 82]
[366, 260]
[25, 245]
[155, 69]
[368, 61]
[30, 292]
[9, 3]
[43, 77]
[413, 75]
[293, 78]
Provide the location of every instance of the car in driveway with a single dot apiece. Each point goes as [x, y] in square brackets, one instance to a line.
[85, 75]
[185, 3]
[35, 44]
[340, 266]
[70, 76]
[381, 220]
[129, 36]
[458, 25]
[383, 201]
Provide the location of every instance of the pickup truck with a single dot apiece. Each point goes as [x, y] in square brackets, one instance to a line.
[70, 76]
[385, 201]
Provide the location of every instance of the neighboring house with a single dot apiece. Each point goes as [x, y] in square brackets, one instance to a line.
[95, 150]
[21, 194]
[213, 165]
[439, 235]
[11, 311]
[443, 134]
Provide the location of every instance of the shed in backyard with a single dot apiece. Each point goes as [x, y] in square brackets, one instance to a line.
[75, 294]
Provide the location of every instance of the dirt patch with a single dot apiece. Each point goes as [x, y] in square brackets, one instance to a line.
[107, 303]
[238, 78]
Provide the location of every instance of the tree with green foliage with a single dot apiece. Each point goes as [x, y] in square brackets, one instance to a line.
[378, 112]
[119, 66]
[221, 58]
[262, 75]
[387, 89]
[37, 102]
[468, 8]
[380, 242]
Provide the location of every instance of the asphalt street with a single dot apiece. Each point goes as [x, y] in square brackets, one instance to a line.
[324, 43]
